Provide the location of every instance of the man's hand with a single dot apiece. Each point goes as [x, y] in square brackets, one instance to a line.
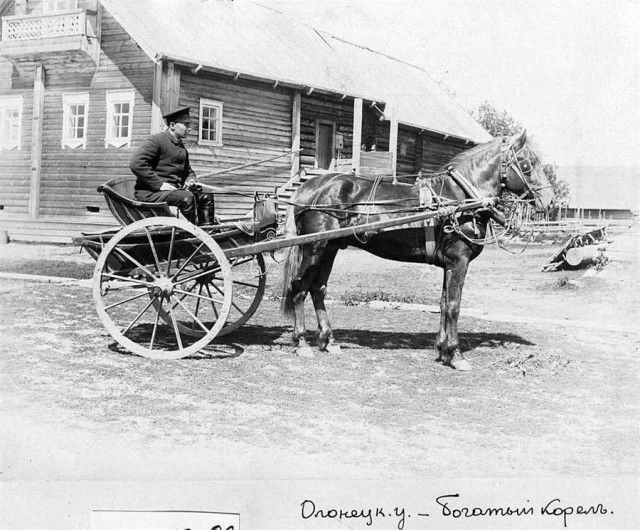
[192, 185]
[167, 187]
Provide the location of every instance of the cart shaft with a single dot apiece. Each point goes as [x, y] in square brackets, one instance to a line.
[277, 244]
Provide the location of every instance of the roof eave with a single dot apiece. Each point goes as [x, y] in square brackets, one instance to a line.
[193, 65]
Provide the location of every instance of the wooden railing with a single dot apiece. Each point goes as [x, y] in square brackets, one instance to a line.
[26, 27]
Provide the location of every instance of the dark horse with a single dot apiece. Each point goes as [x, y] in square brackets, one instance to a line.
[336, 201]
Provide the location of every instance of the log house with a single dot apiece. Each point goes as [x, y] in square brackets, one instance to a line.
[84, 82]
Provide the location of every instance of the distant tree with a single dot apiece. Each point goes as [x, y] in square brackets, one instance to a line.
[501, 123]
[496, 122]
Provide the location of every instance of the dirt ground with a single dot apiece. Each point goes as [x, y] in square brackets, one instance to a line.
[554, 392]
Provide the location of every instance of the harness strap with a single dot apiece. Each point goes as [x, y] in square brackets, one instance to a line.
[464, 184]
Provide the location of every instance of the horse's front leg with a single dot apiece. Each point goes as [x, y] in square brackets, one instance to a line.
[447, 342]
[326, 340]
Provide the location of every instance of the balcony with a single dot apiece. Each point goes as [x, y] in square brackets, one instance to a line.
[52, 39]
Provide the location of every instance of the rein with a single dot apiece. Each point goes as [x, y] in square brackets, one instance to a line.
[509, 159]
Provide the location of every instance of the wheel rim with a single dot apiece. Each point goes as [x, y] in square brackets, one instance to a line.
[145, 287]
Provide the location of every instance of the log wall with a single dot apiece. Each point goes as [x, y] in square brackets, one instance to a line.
[70, 176]
[437, 151]
[256, 125]
[317, 107]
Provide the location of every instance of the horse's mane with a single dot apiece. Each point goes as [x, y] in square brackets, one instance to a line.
[477, 153]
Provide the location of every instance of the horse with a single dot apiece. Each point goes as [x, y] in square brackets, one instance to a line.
[331, 201]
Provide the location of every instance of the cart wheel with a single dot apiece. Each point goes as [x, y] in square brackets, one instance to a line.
[151, 282]
[249, 277]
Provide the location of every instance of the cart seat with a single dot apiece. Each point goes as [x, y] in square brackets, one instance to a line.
[119, 195]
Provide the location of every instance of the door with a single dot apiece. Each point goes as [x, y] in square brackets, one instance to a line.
[325, 143]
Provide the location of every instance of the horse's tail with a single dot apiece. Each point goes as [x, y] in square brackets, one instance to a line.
[292, 264]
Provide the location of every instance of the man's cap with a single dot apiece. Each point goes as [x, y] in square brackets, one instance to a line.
[178, 115]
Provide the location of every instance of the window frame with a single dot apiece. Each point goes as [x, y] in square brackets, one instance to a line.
[69, 100]
[114, 97]
[11, 103]
[210, 103]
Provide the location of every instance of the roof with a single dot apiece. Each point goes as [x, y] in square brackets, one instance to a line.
[259, 42]
[603, 187]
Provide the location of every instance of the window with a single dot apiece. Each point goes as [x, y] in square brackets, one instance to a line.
[10, 122]
[53, 6]
[210, 129]
[75, 112]
[119, 118]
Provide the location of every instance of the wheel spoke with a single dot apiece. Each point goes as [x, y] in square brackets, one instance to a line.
[139, 315]
[153, 250]
[238, 282]
[155, 326]
[176, 330]
[237, 307]
[195, 318]
[125, 301]
[195, 275]
[232, 302]
[126, 279]
[187, 293]
[213, 306]
[188, 261]
[133, 260]
[197, 305]
[173, 237]
[184, 295]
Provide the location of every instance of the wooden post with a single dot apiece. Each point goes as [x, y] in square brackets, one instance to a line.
[393, 140]
[156, 103]
[36, 141]
[173, 86]
[296, 120]
[357, 134]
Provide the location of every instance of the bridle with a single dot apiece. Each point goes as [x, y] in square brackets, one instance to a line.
[521, 162]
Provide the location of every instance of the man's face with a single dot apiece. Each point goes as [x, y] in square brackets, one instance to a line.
[181, 129]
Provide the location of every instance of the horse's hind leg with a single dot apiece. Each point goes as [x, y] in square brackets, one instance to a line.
[301, 285]
[326, 340]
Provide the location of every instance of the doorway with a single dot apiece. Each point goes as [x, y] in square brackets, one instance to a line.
[325, 143]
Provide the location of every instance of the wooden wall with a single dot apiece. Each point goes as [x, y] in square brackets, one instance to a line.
[70, 176]
[15, 164]
[318, 107]
[437, 151]
[256, 125]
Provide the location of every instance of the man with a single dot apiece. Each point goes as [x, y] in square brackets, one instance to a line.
[161, 165]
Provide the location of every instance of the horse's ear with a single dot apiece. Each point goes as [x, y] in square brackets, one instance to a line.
[520, 139]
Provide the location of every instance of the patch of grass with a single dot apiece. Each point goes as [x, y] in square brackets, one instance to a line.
[353, 298]
[600, 261]
[63, 269]
[564, 282]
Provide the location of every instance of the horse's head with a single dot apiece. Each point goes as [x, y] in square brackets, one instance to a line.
[521, 172]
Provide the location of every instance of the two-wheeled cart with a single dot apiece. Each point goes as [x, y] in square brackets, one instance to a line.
[165, 288]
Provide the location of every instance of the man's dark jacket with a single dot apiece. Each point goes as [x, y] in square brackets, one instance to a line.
[161, 158]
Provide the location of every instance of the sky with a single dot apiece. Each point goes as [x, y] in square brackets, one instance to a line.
[567, 70]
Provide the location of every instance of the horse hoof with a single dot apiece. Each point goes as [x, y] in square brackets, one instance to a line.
[334, 349]
[462, 365]
[306, 352]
